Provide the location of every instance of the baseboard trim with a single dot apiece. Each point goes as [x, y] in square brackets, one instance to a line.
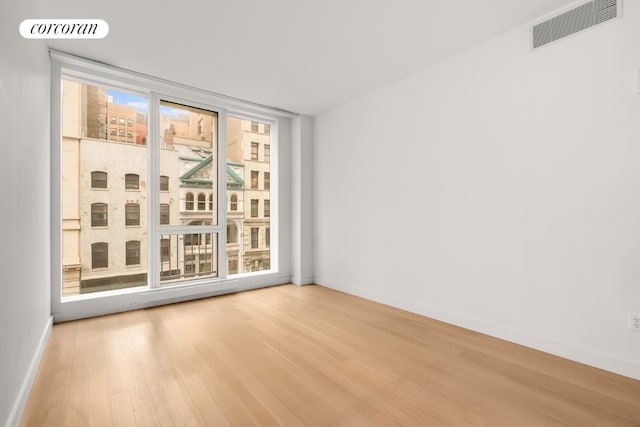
[598, 360]
[25, 389]
[305, 281]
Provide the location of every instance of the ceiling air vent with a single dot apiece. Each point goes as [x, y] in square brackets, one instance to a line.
[577, 19]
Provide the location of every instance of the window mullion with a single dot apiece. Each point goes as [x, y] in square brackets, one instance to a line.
[153, 179]
[222, 193]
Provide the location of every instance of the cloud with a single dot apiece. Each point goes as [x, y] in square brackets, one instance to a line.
[139, 105]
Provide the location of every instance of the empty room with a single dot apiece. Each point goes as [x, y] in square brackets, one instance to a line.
[306, 213]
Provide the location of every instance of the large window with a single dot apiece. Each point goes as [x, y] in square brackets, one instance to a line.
[189, 147]
[249, 185]
[143, 173]
[98, 227]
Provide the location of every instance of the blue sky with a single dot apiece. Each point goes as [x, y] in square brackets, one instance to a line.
[139, 103]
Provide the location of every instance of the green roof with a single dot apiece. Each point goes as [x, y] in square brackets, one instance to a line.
[189, 180]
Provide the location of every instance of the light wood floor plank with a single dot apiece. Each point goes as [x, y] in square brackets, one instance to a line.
[308, 356]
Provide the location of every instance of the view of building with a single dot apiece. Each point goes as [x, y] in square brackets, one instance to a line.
[248, 144]
[106, 191]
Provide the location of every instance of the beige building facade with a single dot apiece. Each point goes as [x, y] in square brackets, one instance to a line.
[105, 193]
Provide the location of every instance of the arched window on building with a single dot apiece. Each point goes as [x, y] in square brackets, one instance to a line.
[189, 202]
[234, 202]
[202, 202]
[232, 233]
[98, 179]
[133, 252]
[132, 181]
[99, 255]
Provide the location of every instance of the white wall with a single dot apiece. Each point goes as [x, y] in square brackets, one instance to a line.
[498, 190]
[302, 200]
[24, 215]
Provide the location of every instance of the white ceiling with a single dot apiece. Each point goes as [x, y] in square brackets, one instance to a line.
[303, 56]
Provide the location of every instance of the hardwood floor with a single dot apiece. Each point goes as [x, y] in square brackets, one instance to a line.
[308, 356]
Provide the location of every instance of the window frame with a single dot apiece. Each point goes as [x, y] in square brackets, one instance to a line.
[66, 66]
[160, 231]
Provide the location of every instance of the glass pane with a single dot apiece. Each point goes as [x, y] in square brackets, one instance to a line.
[188, 164]
[248, 196]
[188, 256]
[104, 198]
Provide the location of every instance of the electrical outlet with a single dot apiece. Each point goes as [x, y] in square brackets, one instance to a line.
[634, 322]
